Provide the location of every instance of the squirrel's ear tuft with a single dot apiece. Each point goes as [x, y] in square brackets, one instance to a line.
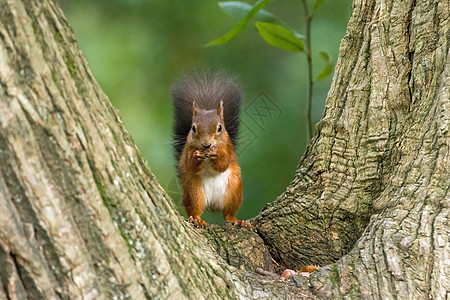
[195, 109]
[220, 110]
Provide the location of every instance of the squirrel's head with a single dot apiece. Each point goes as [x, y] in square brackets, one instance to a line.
[207, 126]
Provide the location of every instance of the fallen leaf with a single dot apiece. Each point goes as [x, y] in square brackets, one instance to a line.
[309, 269]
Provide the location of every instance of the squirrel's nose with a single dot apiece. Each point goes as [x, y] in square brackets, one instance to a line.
[206, 146]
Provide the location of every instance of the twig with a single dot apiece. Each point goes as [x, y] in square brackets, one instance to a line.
[309, 91]
[275, 262]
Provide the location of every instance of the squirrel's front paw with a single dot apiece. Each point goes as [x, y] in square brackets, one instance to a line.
[212, 153]
[197, 222]
[199, 155]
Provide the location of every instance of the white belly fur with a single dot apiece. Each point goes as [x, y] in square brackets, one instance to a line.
[214, 186]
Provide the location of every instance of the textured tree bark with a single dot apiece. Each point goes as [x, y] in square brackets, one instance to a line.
[372, 190]
[82, 216]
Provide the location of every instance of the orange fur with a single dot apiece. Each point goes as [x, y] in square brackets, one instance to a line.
[233, 196]
[193, 197]
[220, 154]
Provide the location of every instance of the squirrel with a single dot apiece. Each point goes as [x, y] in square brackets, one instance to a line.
[206, 127]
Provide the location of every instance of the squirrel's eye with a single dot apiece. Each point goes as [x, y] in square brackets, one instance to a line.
[219, 128]
[194, 128]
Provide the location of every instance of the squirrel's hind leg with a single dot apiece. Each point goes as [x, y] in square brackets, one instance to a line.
[194, 204]
[233, 200]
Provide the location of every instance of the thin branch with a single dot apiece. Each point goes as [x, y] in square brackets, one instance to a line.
[309, 91]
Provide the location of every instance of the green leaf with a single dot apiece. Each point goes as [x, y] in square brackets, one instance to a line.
[325, 56]
[318, 3]
[241, 25]
[239, 10]
[280, 37]
[328, 66]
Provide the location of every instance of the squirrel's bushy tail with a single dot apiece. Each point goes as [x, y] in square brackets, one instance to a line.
[207, 89]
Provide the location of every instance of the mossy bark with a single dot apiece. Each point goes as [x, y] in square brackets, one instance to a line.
[83, 216]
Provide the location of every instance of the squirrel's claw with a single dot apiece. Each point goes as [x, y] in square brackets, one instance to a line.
[244, 224]
[197, 222]
[199, 155]
[212, 153]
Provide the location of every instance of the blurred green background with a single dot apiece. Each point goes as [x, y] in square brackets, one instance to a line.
[136, 48]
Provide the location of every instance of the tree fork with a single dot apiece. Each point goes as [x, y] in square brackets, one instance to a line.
[82, 215]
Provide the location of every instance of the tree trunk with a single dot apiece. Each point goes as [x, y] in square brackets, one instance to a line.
[83, 216]
[373, 185]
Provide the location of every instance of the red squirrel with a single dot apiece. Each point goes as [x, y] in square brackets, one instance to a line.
[206, 127]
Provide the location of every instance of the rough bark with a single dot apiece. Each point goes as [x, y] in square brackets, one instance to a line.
[83, 216]
[373, 186]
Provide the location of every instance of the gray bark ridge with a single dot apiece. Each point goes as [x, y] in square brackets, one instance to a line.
[372, 191]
